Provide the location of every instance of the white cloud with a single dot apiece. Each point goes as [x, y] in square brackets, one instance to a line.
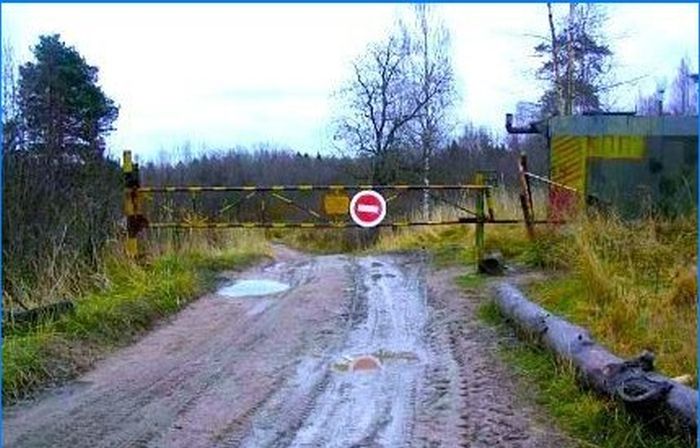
[228, 74]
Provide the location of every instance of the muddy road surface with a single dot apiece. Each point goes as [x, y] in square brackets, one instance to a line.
[375, 351]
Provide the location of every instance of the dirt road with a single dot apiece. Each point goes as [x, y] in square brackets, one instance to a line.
[287, 370]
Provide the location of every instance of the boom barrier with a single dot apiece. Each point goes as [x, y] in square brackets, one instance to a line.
[274, 207]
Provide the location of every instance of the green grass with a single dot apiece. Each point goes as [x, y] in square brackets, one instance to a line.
[627, 327]
[449, 245]
[632, 284]
[135, 297]
[471, 281]
[590, 420]
[317, 241]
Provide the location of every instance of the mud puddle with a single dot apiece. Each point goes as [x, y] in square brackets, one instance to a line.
[246, 288]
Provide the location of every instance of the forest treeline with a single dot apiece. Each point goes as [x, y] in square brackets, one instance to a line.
[396, 124]
[476, 149]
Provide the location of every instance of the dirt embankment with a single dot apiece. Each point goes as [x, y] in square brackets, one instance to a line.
[288, 370]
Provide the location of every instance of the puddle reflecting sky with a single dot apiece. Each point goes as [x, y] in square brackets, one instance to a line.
[252, 288]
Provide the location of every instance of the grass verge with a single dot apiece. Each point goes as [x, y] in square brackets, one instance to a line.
[590, 420]
[132, 299]
[632, 284]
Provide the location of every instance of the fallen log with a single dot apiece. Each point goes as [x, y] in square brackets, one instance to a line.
[657, 399]
[51, 311]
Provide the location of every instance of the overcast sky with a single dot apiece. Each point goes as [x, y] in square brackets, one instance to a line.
[221, 75]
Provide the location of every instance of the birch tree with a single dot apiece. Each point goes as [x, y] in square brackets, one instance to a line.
[683, 92]
[11, 118]
[434, 75]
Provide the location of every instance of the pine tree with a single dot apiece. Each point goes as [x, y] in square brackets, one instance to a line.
[65, 111]
[576, 62]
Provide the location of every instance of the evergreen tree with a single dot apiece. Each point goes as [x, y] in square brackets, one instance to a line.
[61, 195]
[63, 108]
[576, 62]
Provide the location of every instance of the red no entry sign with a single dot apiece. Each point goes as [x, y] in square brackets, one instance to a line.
[367, 208]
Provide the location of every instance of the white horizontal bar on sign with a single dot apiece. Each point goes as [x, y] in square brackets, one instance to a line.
[366, 208]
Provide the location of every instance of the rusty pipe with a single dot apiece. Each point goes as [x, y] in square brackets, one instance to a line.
[531, 129]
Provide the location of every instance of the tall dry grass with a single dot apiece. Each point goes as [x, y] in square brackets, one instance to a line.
[455, 243]
[120, 301]
[66, 275]
[632, 283]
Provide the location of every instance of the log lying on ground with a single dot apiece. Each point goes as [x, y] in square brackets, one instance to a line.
[657, 399]
[49, 312]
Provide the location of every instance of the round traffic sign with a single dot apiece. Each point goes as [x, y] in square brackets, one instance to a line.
[367, 208]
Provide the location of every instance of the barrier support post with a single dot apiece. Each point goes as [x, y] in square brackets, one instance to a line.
[481, 217]
[132, 206]
[526, 196]
[487, 194]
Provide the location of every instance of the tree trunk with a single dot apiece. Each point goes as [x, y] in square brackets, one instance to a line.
[555, 61]
[569, 106]
[632, 382]
[426, 182]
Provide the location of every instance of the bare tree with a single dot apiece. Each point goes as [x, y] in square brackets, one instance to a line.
[647, 104]
[10, 100]
[683, 94]
[652, 105]
[381, 103]
[375, 112]
[568, 105]
[554, 47]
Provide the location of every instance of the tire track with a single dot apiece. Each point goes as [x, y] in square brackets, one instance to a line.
[275, 371]
[489, 412]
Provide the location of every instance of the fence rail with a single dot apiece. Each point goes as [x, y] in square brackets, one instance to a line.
[137, 221]
[268, 188]
[332, 225]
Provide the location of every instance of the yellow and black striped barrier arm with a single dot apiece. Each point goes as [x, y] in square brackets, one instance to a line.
[197, 189]
[330, 225]
[292, 225]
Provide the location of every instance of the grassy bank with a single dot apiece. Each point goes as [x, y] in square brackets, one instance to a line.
[632, 284]
[131, 297]
[588, 419]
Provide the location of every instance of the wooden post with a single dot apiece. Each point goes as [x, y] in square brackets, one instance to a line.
[480, 215]
[526, 196]
[487, 195]
[132, 206]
